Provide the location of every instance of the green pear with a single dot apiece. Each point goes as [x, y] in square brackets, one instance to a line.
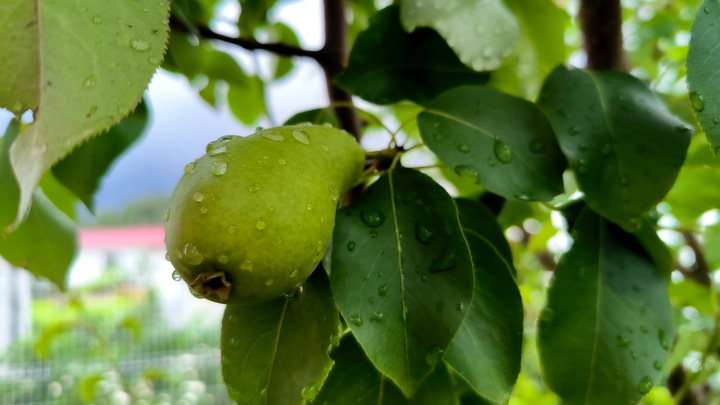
[251, 219]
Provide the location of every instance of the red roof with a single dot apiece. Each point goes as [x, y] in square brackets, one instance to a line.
[151, 236]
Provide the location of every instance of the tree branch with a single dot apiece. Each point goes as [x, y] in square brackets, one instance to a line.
[249, 44]
[601, 24]
[700, 271]
[333, 58]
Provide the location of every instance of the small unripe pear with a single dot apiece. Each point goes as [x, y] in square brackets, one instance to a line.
[251, 219]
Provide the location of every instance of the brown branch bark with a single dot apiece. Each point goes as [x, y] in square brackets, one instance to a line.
[700, 271]
[249, 44]
[333, 58]
[601, 24]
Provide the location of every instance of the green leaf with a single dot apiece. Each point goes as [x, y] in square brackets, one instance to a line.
[401, 274]
[82, 169]
[45, 243]
[502, 142]
[544, 23]
[81, 67]
[218, 65]
[247, 103]
[625, 147]
[316, 117]
[253, 14]
[486, 350]
[690, 196]
[281, 33]
[607, 324]
[711, 240]
[208, 93]
[182, 56]
[702, 58]
[476, 217]
[355, 381]
[483, 34]
[59, 195]
[88, 387]
[275, 350]
[388, 65]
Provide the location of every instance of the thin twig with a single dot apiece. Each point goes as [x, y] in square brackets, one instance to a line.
[249, 44]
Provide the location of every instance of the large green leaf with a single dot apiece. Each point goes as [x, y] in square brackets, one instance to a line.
[477, 217]
[82, 169]
[276, 352]
[482, 33]
[502, 142]
[702, 60]
[402, 274]
[355, 381]
[45, 243]
[606, 329]
[388, 65]
[625, 147]
[80, 66]
[486, 350]
[692, 195]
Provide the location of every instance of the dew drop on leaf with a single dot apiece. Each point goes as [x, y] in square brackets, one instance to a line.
[423, 233]
[176, 276]
[503, 153]
[97, 20]
[468, 172]
[657, 365]
[309, 392]
[335, 339]
[491, 162]
[463, 148]
[223, 259]
[90, 82]
[356, 319]
[573, 130]
[199, 197]
[697, 101]
[189, 168]
[382, 290]
[662, 338]
[372, 217]
[260, 224]
[645, 385]
[139, 45]
[537, 146]
[351, 246]
[433, 356]
[254, 188]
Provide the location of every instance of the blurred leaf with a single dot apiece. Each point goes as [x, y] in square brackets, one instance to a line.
[253, 13]
[273, 351]
[544, 23]
[45, 243]
[607, 322]
[316, 117]
[208, 93]
[711, 241]
[182, 56]
[49, 333]
[388, 65]
[82, 169]
[690, 197]
[59, 195]
[218, 65]
[624, 146]
[247, 102]
[486, 350]
[500, 141]
[482, 34]
[401, 273]
[281, 33]
[354, 380]
[77, 87]
[690, 293]
[88, 386]
[10, 192]
[134, 326]
[702, 60]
